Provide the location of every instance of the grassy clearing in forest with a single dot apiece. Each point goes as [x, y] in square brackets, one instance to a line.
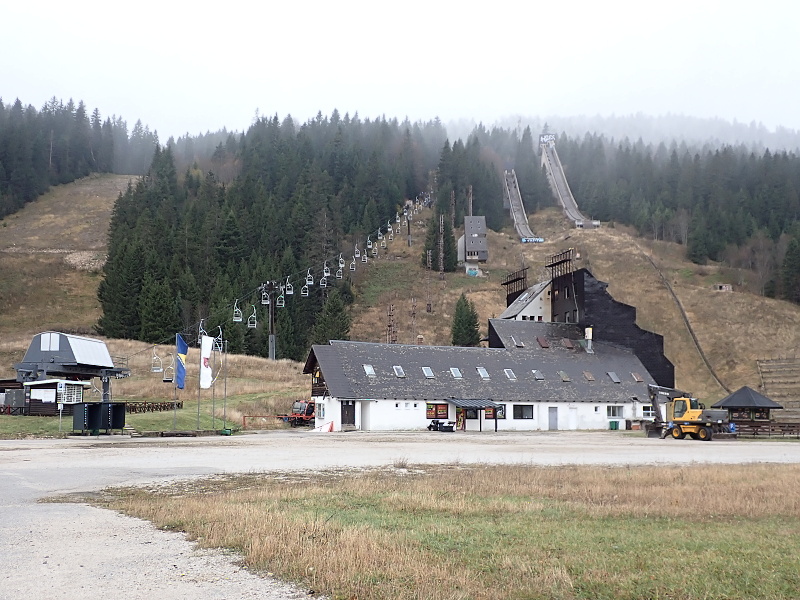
[501, 531]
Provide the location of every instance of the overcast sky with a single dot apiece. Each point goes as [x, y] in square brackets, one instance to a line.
[202, 66]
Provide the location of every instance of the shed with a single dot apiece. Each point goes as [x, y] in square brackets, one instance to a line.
[746, 404]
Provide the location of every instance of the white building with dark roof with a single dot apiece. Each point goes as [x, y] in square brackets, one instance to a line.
[541, 377]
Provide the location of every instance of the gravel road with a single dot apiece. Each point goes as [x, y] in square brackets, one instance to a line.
[65, 551]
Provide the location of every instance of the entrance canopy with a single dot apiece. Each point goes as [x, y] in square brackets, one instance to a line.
[472, 403]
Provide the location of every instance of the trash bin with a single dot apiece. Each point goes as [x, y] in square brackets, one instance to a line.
[613, 425]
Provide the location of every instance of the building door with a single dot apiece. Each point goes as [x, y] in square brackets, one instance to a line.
[349, 412]
[573, 418]
[552, 413]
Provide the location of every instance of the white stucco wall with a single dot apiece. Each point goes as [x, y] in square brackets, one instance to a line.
[404, 415]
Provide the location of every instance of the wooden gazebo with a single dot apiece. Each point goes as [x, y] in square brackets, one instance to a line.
[746, 405]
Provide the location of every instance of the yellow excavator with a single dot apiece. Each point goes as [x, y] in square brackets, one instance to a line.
[685, 416]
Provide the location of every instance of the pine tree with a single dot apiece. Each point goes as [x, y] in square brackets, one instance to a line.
[464, 331]
[333, 323]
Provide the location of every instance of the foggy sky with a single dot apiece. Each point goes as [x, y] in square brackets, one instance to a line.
[202, 66]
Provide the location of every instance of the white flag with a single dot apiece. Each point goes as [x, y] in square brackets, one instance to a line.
[205, 362]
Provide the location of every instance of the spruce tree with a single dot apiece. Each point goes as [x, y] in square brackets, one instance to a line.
[464, 331]
[333, 323]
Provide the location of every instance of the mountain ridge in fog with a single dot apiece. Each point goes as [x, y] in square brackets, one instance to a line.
[694, 131]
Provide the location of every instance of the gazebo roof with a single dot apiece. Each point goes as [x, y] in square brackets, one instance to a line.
[746, 397]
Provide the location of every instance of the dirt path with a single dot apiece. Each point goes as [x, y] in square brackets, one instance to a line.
[56, 551]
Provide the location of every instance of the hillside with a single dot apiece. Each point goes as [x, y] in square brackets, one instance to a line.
[50, 253]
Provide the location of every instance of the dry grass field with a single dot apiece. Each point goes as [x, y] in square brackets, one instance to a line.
[491, 532]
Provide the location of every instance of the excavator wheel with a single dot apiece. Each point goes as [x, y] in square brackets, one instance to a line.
[704, 434]
[694, 435]
[677, 432]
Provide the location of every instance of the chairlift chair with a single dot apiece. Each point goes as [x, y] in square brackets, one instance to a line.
[218, 341]
[237, 312]
[341, 261]
[383, 243]
[252, 322]
[380, 234]
[323, 282]
[369, 242]
[304, 291]
[391, 236]
[339, 273]
[326, 270]
[375, 250]
[309, 278]
[264, 296]
[353, 264]
[288, 288]
[169, 372]
[364, 257]
[279, 301]
[157, 366]
[200, 332]
[397, 217]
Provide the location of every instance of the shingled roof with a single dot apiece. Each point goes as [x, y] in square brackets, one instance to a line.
[557, 373]
[746, 397]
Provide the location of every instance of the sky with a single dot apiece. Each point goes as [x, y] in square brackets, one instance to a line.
[197, 67]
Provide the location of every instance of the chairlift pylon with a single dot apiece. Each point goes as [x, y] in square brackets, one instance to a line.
[252, 322]
[309, 278]
[237, 312]
[288, 288]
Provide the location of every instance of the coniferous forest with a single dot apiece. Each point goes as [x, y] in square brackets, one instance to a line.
[214, 217]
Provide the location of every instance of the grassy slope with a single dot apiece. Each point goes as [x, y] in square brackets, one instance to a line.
[50, 252]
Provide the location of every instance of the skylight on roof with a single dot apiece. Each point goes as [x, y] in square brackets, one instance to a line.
[398, 370]
[456, 373]
[564, 376]
[510, 374]
[369, 370]
[614, 377]
[637, 377]
[538, 375]
[428, 372]
[483, 373]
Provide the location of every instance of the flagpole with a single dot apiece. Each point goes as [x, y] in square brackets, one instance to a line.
[199, 374]
[213, 395]
[225, 387]
[175, 387]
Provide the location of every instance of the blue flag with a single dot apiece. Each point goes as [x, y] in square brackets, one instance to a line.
[181, 350]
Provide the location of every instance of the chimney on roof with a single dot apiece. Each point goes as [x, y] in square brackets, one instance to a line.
[588, 335]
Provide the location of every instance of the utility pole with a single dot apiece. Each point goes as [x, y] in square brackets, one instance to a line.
[441, 247]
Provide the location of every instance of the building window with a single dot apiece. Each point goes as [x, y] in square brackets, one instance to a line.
[566, 317]
[648, 412]
[523, 411]
[510, 374]
[436, 411]
[575, 315]
[483, 373]
[369, 370]
[491, 413]
[428, 372]
[456, 372]
[398, 370]
[397, 405]
[320, 410]
[471, 413]
[614, 412]
[566, 293]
